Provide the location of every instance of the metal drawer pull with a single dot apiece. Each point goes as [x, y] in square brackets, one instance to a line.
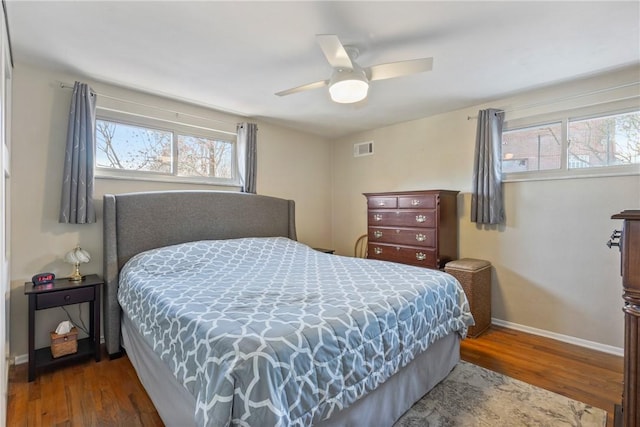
[377, 234]
[381, 203]
[415, 202]
[615, 236]
[421, 237]
[377, 217]
[421, 218]
[377, 251]
[420, 256]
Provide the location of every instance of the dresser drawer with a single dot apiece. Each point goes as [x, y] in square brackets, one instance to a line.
[404, 236]
[420, 201]
[382, 202]
[422, 257]
[403, 218]
[69, 296]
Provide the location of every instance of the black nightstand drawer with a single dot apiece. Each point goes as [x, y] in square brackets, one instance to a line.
[69, 296]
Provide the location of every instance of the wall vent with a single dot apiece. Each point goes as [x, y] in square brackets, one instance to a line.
[363, 149]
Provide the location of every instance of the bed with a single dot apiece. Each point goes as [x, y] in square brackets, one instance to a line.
[228, 320]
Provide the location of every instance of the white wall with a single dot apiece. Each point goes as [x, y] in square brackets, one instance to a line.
[297, 166]
[552, 270]
[290, 165]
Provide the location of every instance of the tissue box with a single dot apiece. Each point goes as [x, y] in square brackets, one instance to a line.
[63, 344]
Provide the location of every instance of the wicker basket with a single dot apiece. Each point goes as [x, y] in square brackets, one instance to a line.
[63, 344]
[475, 277]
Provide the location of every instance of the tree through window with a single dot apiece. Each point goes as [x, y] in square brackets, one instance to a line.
[606, 141]
[140, 149]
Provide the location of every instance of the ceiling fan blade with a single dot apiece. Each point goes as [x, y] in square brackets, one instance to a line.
[309, 86]
[334, 51]
[398, 69]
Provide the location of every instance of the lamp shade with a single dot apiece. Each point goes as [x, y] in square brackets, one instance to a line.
[77, 256]
[348, 86]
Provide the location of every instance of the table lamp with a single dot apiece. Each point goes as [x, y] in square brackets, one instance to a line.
[75, 257]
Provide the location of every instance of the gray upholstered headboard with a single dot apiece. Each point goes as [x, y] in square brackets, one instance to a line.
[136, 222]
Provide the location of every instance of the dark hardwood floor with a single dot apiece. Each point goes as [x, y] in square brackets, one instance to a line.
[108, 393]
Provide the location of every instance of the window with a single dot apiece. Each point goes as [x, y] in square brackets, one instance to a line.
[532, 149]
[198, 156]
[145, 151]
[133, 148]
[604, 143]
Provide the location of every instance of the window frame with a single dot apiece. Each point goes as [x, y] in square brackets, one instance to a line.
[600, 110]
[175, 128]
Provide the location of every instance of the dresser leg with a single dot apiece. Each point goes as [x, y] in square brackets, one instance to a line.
[617, 416]
[631, 387]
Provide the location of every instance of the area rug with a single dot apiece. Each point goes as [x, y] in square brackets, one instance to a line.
[473, 396]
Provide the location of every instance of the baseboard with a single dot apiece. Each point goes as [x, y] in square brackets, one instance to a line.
[20, 359]
[617, 351]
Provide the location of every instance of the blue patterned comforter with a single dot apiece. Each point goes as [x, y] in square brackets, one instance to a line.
[269, 332]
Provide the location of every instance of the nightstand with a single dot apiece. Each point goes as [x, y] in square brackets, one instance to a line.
[59, 293]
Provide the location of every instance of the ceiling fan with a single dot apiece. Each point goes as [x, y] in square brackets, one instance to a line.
[349, 82]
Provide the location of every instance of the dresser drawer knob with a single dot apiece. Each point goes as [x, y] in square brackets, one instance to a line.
[377, 234]
[415, 202]
[611, 243]
[377, 217]
[615, 236]
[420, 256]
[67, 297]
[421, 237]
[381, 203]
[421, 218]
[377, 251]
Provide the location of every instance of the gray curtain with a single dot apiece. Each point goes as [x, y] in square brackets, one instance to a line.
[76, 205]
[487, 206]
[247, 156]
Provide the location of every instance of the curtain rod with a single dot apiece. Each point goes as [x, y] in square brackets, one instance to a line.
[568, 98]
[70, 86]
[167, 121]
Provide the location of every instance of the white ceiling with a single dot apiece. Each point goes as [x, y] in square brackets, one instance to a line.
[235, 55]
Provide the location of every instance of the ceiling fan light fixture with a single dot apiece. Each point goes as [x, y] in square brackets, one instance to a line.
[348, 86]
[349, 83]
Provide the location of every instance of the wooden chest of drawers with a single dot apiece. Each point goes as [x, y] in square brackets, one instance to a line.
[413, 227]
[628, 240]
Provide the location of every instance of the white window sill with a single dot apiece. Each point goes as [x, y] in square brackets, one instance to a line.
[572, 174]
